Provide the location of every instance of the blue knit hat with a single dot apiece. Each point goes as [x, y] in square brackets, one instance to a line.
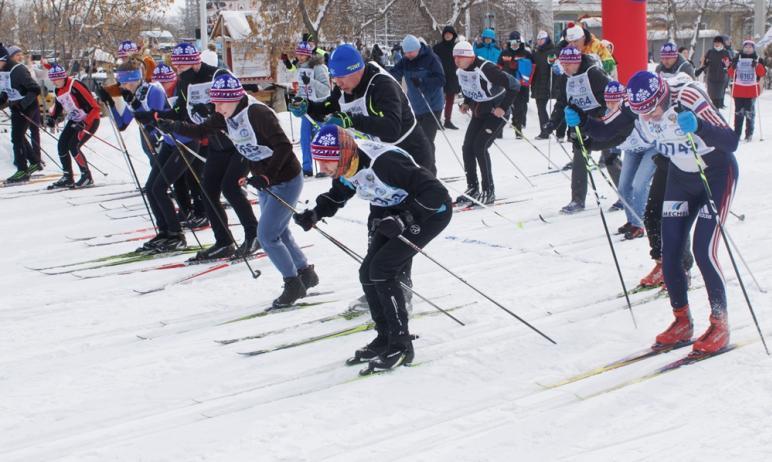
[345, 60]
[126, 48]
[614, 92]
[56, 72]
[226, 88]
[410, 43]
[489, 33]
[645, 91]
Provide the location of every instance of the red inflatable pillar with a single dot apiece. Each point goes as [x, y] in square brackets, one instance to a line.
[624, 25]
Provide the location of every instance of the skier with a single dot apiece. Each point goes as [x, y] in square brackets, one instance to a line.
[517, 60]
[369, 99]
[75, 102]
[424, 79]
[680, 122]
[582, 85]
[715, 63]
[20, 91]
[444, 50]
[487, 49]
[488, 93]
[544, 57]
[255, 131]
[314, 85]
[671, 62]
[405, 200]
[165, 75]
[127, 48]
[143, 100]
[746, 71]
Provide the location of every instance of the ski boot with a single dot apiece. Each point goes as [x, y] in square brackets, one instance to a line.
[542, 136]
[716, 338]
[616, 206]
[20, 176]
[247, 248]
[293, 290]
[370, 351]
[399, 353]
[172, 242]
[464, 200]
[308, 276]
[488, 196]
[84, 181]
[195, 222]
[64, 182]
[357, 308]
[152, 244]
[624, 228]
[449, 124]
[34, 168]
[634, 233]
[679, 332]
[655, 278]
[215, 252]
[572, 208]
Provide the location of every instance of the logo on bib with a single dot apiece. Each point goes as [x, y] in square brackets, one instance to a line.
[674, 209]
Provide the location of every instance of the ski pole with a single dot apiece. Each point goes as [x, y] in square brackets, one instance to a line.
[255, 273]
[549, 158]
[616, 191]
[423, 252]
[740, 217]
[351, 253]
[757, 108]
[714, 212]
[33, 141]
[493, 141]
[605, 225]
[477, 202]
[442, 129]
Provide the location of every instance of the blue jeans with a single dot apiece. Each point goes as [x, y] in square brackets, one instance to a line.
[634, 181]
[273, 230]
[306, 133]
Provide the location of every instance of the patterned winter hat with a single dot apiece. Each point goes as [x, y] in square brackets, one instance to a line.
[614, 92]
[126, 48]
[56, 72]
[304, 49]
[326, 144]
[226, 88]
[668, 50]
[164, 73]
[185, 54]
[570, 55]
[645, 91]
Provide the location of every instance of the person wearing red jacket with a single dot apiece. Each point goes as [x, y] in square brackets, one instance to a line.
[746, 71]
[78, 106]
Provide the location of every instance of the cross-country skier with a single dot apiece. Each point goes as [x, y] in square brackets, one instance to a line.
[671, 62]
[488, 94]
[405, 200]
[19, 91]
[314, 85]
[672, 119]
[76, 103]
[255, 131]
[746, 72]
[517, 60]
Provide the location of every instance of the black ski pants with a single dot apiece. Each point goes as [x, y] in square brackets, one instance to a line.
[222, 172]
[71, 139]
[168, 167]
[480, 134]
[520, 108]
[25, 153]
[428, 123]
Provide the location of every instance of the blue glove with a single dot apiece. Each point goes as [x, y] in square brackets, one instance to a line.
[298, 107]
[687, 121]
[340, 119]
[556, 69]
[573, 118]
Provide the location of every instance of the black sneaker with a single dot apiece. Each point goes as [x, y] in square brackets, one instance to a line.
[624, 228]
[370, 351]
[471, 191]
[64, 182]
[195, 222]
[308, 276]
[399, 353]
[293, 290]
[247, 248]
[215, 252]
[449, 124]
[84, 181]
[172, 243]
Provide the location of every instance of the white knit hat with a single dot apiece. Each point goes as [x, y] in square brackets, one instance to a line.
[574, 33]
[463, 48]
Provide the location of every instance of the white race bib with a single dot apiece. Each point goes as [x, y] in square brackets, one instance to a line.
[672, 142]
[745, 74]
[5, 85]
[579, 92]
[71, 110]
[243, 136]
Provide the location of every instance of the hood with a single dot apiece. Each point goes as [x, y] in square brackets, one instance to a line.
[450, 29]
[489, 34]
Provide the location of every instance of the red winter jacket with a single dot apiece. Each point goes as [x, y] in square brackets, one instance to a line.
[746, 91]
[82, 98]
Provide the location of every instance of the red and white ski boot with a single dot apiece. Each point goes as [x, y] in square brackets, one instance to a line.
[679, 332]
[716, 338]
[655, 278]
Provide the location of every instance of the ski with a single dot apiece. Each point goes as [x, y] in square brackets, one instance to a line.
[691, 358]
[41, 192]
[363, 327]
[468, 208]
[626, 361]
[272, 310]
[34, 180]
[130, 257]
[122, 233]
[641, 288]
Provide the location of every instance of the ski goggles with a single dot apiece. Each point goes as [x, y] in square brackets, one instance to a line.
[128, 76]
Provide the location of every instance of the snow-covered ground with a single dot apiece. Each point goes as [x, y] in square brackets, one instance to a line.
[91, 371]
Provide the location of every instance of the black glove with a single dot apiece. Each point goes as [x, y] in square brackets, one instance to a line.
[201, 110]
[128, 96]
[3, 98]
[145, 117]
[104, 96]
[259, 182]
[49, 121]
[306, 79]
[307, 219]
[250, 87]
[286, 61]
[136, 105]
[391, 226]
[167, 125]
[548, 128]
[416, 82]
